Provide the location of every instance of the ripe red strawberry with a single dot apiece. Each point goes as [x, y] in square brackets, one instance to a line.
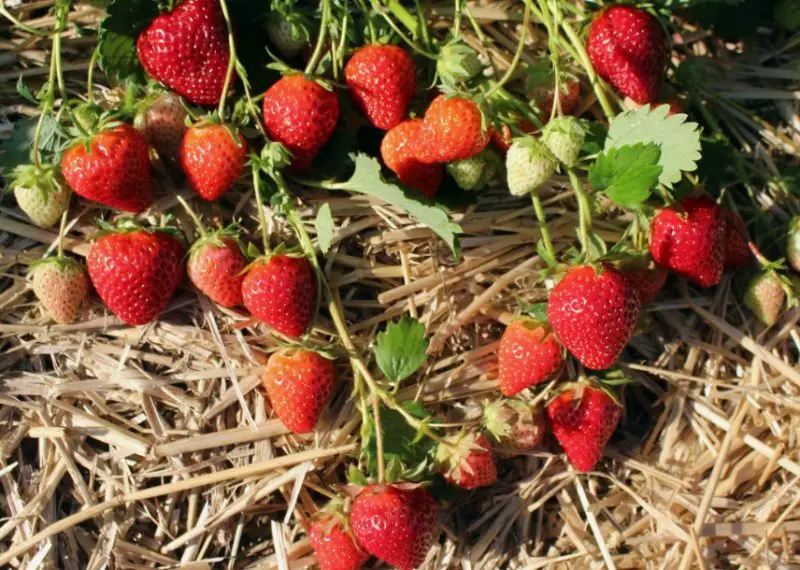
[162, 122]
[467, 461]
[529, 354]
[398, 151]
[583, 426]
[515, 424]
[593, 313]
[136, 272]
[61, 285]
[628, 49]
[302, 115]
[647, 278]
[688, 238]
[382, 79]
[737, 252]
[299, 384]
[187, 50]
[213, 159]
[452, 130]
[281, 291]
[334, 544]
[395, 523]
[216, 267]
[115, 171]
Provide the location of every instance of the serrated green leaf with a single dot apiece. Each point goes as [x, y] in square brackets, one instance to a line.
[25, 92]
[627, 174]
[401, 349]
[355, 476]
[536, 310]
[16, 150]
[400, 444]
[118, 33]
[324, 225]
[678, 140]
[367, 180]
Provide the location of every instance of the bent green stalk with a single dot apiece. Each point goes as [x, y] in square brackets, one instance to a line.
[584, 211]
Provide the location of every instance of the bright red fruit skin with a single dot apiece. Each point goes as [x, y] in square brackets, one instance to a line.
[115, 172]
[593, 314]
[301, 115]
[136, 273]
[212, 160]
[529, 354]
[452, 130]
[628, 49]
[382, 79]
[299, 384]
[334, 546]
[481, 470]
[218, 271]
[187, 50]
[689, 239]
[648, 281]
[737, 251]
[399, 153]
[583, 428]
[281, 292]
[395, 524]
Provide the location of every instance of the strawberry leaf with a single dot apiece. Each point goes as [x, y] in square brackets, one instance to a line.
[118, 33]
[324, 225]
[402, 450]
[627, 174]
[401, 349]
[536, 310]
[16, 150]
[678, 140]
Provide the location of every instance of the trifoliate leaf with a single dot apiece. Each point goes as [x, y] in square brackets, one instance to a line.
[367, 180]
[324, 225]
[678, 140]
[400, 442]
[627, 174]
[118, 33]
[401, 349]
[16, 150]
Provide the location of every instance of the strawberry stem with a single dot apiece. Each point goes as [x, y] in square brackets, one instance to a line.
[231, 58]
[378, 438]
[62, 225]
[323, 33]
[262, 216]
[404, 16]
[192, 214]
[517, 53]
[543, 229]
[584, 211]
[409, 41]
[90, 74]
[373, 38]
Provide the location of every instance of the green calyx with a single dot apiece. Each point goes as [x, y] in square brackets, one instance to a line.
[129, 224]
[45, 179]
[60, 264]
[216, 238]
[457, 63]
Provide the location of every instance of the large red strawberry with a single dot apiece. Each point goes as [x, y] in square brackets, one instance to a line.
[529, 354]
[452, 130]
[281, 291]
[737, 250]
[299, 384]
[628, 49]
[334, 543]
[467, 461]
[395, 523]
[113, 171]
[136, 272]
[187, 50]
[515, 424]
[593, 312]
[647, 278]
[583, 425]
[61, 285]
[162, 122]
[689, 238]
[216, 267]
[302, 115]
[213, 158]
[382, 79]
[399, 153]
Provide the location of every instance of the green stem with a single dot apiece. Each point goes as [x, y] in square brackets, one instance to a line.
[373, 38]
[583, 59]
[543, 229]
[517, 53]
[60, 250]
[584, 211]
[376, 412]
[404, 16]
[90, 74]
[457, 20]
[410, 42]
[192, 214]
[262, 216]
[323, 34]
[425, 36]
[231, 58]
[11, 18]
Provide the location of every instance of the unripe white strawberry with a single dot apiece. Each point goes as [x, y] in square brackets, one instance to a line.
[468, 173]
[40, 193]
[765, 296]
[564, 137]
[61, 285]
[529, 164]
[162, 122]
[457, 63]
[288, 35]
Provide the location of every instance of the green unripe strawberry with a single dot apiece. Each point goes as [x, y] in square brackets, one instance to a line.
[793, 245]
[529, 164]
[457, 63]
[40, 193]
[564, 137]
[468, 173]
[765, 297]
[288, 35]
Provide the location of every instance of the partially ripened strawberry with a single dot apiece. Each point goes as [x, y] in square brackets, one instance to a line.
[187, 50]
[334, 544]
[162, 122]
[136, 271]
[648, 278]
[529, 164]
[299, 384]
[793, 244]
[765, 296]
[213, 158]
[301, 115]
[61, 285]
[382, 79]
[466, 460]
[216, 267]
[689, 238]
[593, 311]
[113, 171]
[529, 354]
[737, 250]
[281, 291]
[583, 424]
[628, 49]
[515, 425]
[395, 523]
[399, 153]
[40, 192]
[452, 130]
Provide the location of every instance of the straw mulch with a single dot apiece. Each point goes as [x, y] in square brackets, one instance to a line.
[154, 447]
